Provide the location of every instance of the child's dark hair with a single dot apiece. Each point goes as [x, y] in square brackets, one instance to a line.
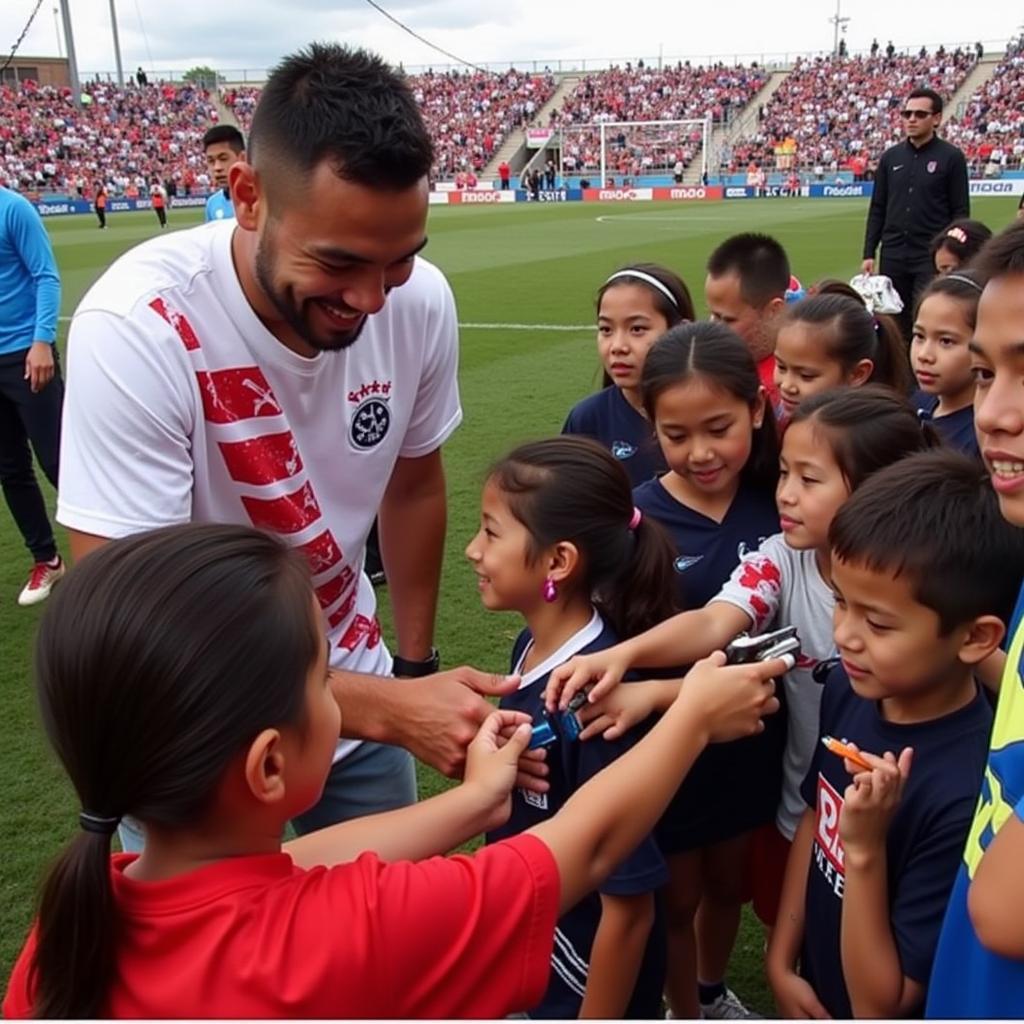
[718, 355]
[676, 310]
[867, 428]
[961, 285]
[1001, 255]
[157, 660]
[854, 334]
[572, 489]
[760, 263]
[963, 238]
[934, 519]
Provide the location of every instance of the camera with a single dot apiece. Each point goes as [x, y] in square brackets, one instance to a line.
[745, 649]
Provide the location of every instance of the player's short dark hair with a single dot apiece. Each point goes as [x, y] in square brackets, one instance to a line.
[760, 263]
[934, 518]
[346, 106]
[228, 133]
[924, 93]
[1002, 254]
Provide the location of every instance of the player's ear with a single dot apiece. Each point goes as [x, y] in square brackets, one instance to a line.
[983, 636]
[246, 194]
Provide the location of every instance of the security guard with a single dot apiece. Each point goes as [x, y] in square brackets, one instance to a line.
[920, 187]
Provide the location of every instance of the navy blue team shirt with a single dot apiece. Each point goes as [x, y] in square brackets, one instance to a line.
[926, 835]
[607, 417]
[572, 763]
[956, 430]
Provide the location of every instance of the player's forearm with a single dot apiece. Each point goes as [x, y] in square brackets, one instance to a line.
[685, 638]
[870, 959]
[616, 955]
[422, 830]
[370, 705]
[607, 817]
[412, 531]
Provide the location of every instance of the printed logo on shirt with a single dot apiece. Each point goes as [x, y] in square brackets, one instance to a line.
[743, 548]
[372, 416]
[933, 166]
[684, 562]
[828, 847]
[896, 167]
[623, 450]
[761, 576]
[538, 800]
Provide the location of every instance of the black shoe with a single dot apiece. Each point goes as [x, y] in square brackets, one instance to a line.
[378, 579]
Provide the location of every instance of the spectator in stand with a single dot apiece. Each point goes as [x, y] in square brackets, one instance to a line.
[223, 146]
[31, 389]
[920, 187]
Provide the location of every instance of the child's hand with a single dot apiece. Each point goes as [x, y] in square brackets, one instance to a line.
[872, 798]
[795, 998]
[732, 699]
[492, 761]
[604, 668]
[615, 714]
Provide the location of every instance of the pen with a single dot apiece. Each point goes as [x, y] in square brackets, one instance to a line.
[840, 749]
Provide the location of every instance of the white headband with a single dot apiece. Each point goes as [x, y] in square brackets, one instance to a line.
[648, 279]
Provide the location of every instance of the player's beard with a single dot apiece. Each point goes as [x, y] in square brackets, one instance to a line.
[294, 314]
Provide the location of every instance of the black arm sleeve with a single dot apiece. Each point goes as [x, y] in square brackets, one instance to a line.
[876, 211]
[959, 189]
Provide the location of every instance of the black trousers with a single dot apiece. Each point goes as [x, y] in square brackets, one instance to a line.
[101, 214]
[29, 421]
[161, 215]
[909, 283]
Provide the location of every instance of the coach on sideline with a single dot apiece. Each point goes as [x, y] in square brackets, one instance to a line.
[920, 186]
[295, 369]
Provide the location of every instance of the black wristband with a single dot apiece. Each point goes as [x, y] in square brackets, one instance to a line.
[409, 669]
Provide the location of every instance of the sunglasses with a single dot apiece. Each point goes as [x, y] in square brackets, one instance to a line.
[917, 113]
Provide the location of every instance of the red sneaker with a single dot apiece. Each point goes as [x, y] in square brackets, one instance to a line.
[41, 581]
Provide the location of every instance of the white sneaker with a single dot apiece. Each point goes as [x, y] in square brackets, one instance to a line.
[727, 1007]
[41, 582]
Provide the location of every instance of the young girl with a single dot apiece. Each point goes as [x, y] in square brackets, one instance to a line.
[958, 244]
[561, 543]
[635, 306]
[833, 443]
[183, 679]
[943, 328]
[830, 340]
[702, 392]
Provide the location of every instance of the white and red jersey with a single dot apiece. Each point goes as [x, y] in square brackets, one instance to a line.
[181, 406]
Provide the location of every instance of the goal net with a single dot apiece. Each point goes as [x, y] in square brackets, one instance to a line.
[628, 149]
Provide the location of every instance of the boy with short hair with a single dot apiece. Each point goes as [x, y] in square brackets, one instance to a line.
[979, 963]
[745, 288]
[924, 571]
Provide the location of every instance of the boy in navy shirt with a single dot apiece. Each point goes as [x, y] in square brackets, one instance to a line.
[925, 572]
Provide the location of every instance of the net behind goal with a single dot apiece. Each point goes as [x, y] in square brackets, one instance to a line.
[629, 149]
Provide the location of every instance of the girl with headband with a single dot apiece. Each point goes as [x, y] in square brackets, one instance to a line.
[635, 306]
[955, 246]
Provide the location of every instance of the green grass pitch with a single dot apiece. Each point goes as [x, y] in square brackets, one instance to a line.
[531, 266]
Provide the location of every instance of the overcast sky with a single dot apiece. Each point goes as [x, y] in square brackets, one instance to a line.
[175, 35]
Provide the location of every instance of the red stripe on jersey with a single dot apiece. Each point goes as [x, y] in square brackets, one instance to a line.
[287, 514]
[361, 627]
[323, 552]
[262, 460]
[241, 393]
[329, 592]
[337, 617]
[178, 321]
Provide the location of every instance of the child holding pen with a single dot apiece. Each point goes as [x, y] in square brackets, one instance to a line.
[874, 858]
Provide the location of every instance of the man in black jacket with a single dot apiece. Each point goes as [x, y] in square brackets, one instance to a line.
[920, 187]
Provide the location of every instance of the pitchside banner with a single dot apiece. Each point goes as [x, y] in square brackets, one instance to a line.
[61, 207]
[1004, 187]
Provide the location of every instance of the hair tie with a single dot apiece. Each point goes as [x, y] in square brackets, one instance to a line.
[959, 234]
[966, 280]
[876, 324]
[97, 823]
[634, 520]
[647, 279]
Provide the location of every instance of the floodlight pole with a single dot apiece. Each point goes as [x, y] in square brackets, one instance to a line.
[837, 20]
[117, 45]
[56, 28]
[69, 40]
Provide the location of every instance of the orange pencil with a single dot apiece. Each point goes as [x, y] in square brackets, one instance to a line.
[840, 749]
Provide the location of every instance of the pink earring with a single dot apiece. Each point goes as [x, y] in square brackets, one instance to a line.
[549, 590]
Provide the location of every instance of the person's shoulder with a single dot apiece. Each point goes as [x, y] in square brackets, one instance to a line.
[605, 639]
[14, 202]
[426, 284]
[588, 413]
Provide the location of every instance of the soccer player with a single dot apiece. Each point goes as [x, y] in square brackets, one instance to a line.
[223, 145]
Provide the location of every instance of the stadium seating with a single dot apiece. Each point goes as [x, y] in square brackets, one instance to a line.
[124, 137]
[833, 113]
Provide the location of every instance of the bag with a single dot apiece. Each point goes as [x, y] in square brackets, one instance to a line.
[878, 293]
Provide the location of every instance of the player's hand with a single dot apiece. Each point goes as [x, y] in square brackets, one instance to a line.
[39, 365]
[615, 714]
[492, 762]
[604, 669]
[868, 267]
[795, 998]
[871, 799]
[731, 700]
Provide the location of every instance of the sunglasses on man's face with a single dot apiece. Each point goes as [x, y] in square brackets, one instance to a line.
[918, 113]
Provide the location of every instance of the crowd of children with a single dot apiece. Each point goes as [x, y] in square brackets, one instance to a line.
[786, 464]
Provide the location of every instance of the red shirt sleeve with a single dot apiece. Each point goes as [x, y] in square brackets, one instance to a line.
[17, 1001]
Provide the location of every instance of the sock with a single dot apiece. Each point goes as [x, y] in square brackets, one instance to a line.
[709, 993]
[54, 562]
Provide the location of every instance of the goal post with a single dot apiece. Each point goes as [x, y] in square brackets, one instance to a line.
[633, 148]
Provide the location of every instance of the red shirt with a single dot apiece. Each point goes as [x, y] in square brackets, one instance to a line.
[259, 937]
[766, 371]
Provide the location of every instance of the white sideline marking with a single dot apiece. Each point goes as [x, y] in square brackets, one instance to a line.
[489, 327]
